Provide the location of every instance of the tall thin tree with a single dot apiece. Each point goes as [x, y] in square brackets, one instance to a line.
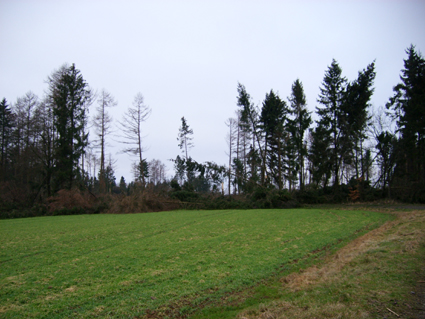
[299, 124]
[231, 139]
[408, 107]
[185, 137]
[331, 115]
[131, 128]
[103, 126]
[6, 126]
[70, 96]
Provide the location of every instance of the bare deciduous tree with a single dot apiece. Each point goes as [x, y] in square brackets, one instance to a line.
[131, 128]
[157, 171]
[102, 123]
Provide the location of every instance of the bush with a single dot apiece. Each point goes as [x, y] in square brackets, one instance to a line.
[141, 202]
[185, 196]
[35, 211]
[309, 196]
[259, 194]
[73, 202]
[272, 198]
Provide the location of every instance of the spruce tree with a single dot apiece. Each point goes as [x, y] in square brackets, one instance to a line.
[357, 117]
[298, 125]
[272, 119]
[408, 106]
[332, 120]
[249, 124]
[320, 156]
[70, 96]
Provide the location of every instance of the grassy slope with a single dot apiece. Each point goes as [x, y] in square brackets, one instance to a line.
[122, 265]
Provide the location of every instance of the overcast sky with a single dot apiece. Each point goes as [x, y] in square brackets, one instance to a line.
[187, 57]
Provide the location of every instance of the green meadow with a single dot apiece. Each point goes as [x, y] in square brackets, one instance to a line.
[127, 266]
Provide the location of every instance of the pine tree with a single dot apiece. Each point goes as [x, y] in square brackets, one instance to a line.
[273, 118]
[70, 96]
[123, 185]
[6, 126]
[357, 118]
[185, 137]
[332, 119]
[320, 156]
[387, 149]
[408, 106]
[298, 125]
[249, 125]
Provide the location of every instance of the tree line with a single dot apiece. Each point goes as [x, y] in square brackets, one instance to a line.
[351, 150]
[45, 145]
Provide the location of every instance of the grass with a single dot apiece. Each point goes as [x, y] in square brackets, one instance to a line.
[163, 264]
[379, 275]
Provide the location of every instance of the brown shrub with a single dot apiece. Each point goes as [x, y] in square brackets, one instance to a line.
[71, 199]
[141, 202]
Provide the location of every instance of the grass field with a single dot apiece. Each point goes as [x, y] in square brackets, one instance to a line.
[154, 265]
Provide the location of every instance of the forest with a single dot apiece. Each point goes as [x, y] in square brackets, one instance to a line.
[277, 156]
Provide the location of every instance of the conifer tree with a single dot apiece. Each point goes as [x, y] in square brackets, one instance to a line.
[357, 118]
[25, 140]
[6, 126]
[249, 124]
[298, 125]
[70, 96]
[320, 156]
[185, 138]
[332, 121]
[273, 118]
[408, 106]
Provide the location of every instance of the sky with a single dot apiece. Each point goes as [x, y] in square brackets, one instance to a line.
[187, 57]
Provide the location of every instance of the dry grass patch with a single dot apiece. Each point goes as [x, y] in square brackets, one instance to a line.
[375, 275]
[335, 263]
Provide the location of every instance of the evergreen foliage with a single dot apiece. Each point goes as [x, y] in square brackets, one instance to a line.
[332, 120]
[273, 120]
[6, 129]
[70, 96]
[297, 126]
[185, 137]
[408, 107]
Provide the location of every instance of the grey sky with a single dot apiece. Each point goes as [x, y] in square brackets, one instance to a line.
[186, 57]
